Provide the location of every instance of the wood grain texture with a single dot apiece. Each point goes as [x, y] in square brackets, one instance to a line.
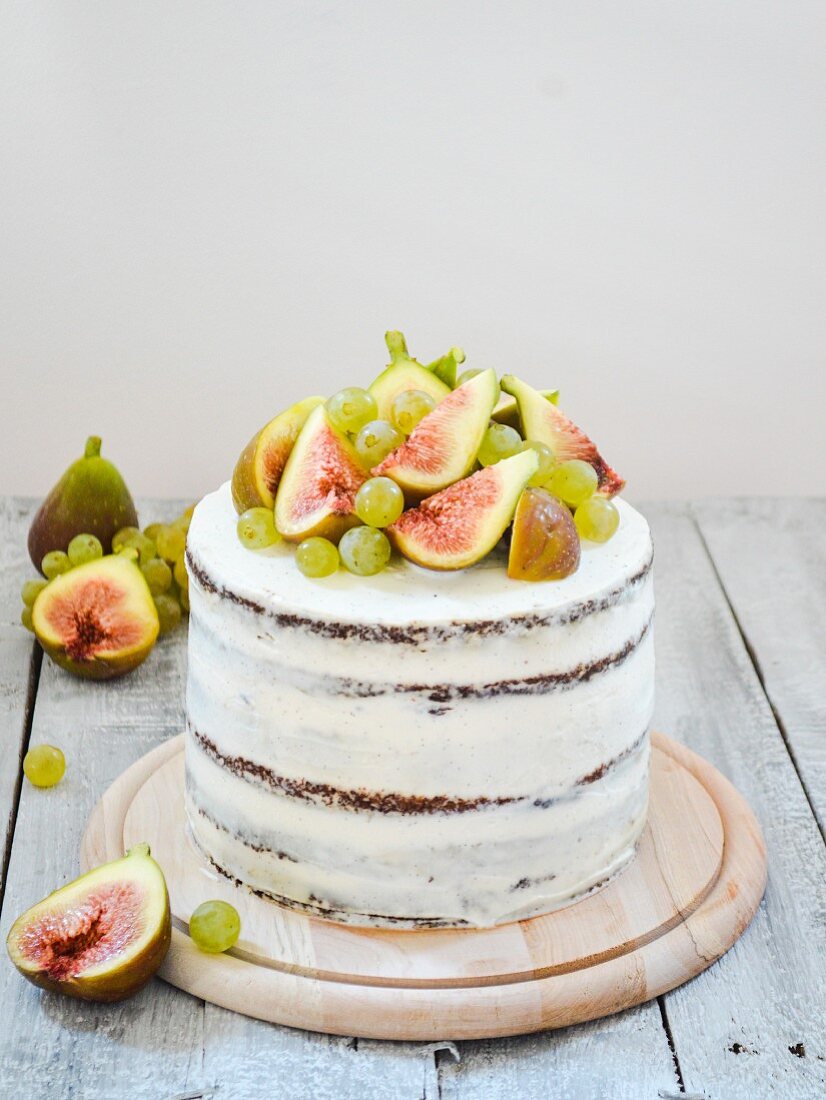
[19, 663]
[734, 1025]
[695, 883]
[771, 558]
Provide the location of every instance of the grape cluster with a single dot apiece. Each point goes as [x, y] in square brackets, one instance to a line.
[158, 551]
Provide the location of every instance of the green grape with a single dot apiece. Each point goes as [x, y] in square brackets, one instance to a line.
[596, 519]
[31, 590]
[215, 926]
[145, 547]
[409, 407]
[364, 550]
[44, 765]
[130, 552]
[499, 441]
[256, 528]
[181, 523]
[181, 575]
[120, 537]
[546, 463]
[26, 619]
[169, 611]
[376, 440]
[183, 596]
[158, 576]
[151, 531]
[170, 543]
[316, 557]
[54, 563]
[379, 502]
[84, 548]
[351, 408]
[573, 481]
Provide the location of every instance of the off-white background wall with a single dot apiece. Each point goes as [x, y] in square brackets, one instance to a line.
[210, 209]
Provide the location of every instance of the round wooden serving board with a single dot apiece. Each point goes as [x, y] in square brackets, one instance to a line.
[693, 887]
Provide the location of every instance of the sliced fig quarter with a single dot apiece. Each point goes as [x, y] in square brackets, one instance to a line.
[442, 448]
[543, 422]
[458, 526]
[261, 463]
[102, 937]
[98, 620]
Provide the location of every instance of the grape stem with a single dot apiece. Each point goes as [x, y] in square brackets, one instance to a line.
[92, 447]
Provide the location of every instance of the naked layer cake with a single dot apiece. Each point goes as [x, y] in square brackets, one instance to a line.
[395, 739]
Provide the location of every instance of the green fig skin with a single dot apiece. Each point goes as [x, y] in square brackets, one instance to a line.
[91, 498]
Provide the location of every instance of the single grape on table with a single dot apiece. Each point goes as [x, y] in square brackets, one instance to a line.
[256, 529]
[573, 481]
[379, 502]
[169, 612]
[364, 550]
[596, 519]
[215, 926]
[44, 765]
[316, 557]
[31, 590]
[170, 543]
[26, 619]
[121, 537]
[181, 575]
[351, 408]
[158, 576]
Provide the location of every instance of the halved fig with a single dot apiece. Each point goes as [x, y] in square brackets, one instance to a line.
[316, 495]
[443, 446]
[261, 463]
[403, 373]
[98, 620]
[507, 410]
[543, 422]
[102, 937]
[544, 541]
[459, 525]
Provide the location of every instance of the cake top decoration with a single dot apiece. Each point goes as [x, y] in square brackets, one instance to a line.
[436, 464]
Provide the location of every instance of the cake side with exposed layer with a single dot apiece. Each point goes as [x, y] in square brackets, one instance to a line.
[338, 753]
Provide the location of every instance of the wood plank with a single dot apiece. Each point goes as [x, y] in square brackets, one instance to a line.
[162, 1042]
[771, 558]
[737, 1027]
[19, 663]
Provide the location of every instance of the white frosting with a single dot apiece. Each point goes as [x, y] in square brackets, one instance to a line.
[385, 686]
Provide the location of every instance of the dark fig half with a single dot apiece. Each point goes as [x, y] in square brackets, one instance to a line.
[98, 620]
[102, 937]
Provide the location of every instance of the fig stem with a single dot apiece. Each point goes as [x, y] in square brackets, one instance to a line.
[396, 345]
[141, 849]
[92, 447]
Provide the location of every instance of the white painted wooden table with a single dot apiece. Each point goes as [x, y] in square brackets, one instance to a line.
[741, 650]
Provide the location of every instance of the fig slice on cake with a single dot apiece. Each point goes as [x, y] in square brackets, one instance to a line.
[101, 937]
[443, 446]
[544, 541]
[543, 422]
[261, 463]
[317, 491]
[404, 373]
[459, 525]
[98, 620]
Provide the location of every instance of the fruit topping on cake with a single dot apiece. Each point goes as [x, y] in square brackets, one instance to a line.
[461, 524]
[544, 541]
[261, 464]
[428, 461]
[443, 446]
[101, 937]
[318, 488]
[544, 422]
